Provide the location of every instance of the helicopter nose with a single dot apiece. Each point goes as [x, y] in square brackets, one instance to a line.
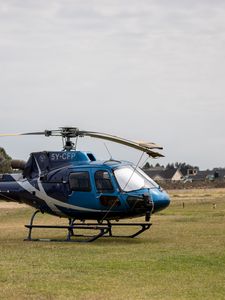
[160, 198]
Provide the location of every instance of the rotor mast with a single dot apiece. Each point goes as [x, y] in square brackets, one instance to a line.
[66, 133]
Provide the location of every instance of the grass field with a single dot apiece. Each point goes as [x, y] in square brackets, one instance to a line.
[182, 256]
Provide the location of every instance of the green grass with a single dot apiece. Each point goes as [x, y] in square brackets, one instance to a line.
[181, 257]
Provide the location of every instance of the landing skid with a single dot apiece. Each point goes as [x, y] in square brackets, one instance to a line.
[144, 226]
[103, 229]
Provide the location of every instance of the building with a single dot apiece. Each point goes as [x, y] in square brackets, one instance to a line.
[159, 174]
[215, 174]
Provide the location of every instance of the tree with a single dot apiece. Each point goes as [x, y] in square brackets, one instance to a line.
[5, 161]
[170, 166]
[146, 166]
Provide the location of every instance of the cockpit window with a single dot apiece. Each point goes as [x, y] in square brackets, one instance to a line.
[103, 182]
[131, 179]
[80, 181]
[154, 184]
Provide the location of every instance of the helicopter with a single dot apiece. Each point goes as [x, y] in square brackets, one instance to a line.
[93, 195]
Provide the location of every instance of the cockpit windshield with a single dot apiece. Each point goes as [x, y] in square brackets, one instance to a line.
[131, 179]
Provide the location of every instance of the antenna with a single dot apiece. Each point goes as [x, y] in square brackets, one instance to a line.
[110, 155]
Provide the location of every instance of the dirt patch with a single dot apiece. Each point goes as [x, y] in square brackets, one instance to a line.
[11, 205]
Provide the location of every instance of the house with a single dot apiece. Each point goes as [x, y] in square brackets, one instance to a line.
[219, 173]
[215, 174]
[159, 174]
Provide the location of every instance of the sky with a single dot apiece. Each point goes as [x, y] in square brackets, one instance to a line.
[139, 69]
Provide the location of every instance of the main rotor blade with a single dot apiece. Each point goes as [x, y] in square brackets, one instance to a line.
[145, 147]
[34, 133]
[26, 133]
[149, 145]
[9, 134]
[72, 132]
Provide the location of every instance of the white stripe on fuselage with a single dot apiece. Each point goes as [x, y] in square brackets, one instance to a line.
[51, 202]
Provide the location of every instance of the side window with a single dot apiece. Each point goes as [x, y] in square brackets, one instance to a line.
[103, 182]
[80, 181]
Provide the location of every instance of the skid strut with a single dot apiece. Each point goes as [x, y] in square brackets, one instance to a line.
[103, 229]
[144, 227]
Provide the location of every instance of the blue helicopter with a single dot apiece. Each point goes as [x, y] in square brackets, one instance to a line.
[93, 195]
